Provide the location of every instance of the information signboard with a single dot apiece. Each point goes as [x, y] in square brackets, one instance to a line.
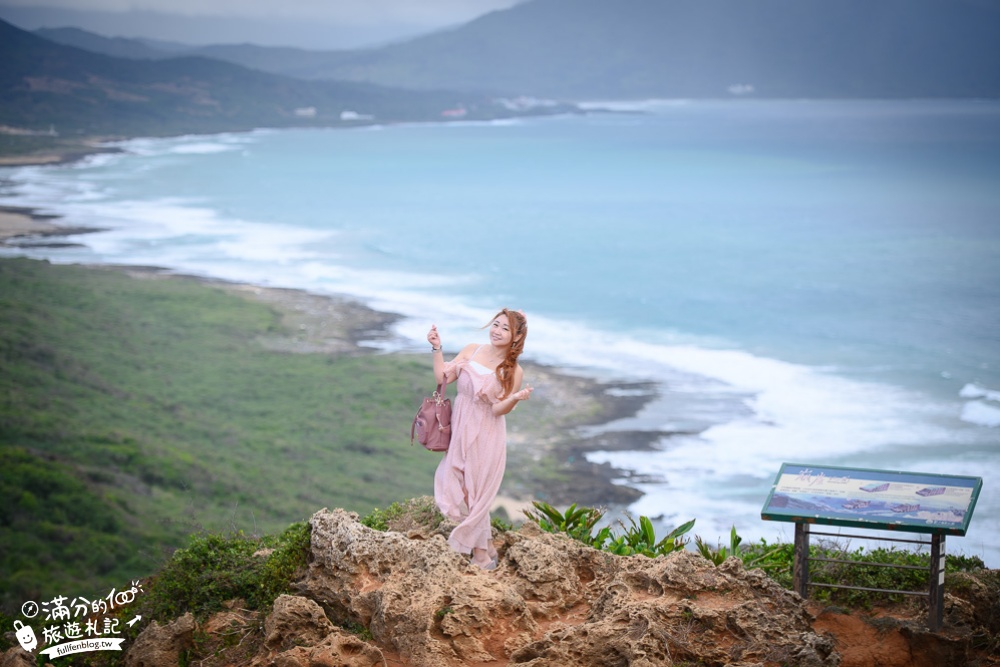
[913, 502]
[873, 499]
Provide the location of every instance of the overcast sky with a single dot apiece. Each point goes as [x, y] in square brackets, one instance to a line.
[305, 23]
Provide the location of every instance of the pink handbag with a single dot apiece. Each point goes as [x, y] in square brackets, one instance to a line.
[432, 425]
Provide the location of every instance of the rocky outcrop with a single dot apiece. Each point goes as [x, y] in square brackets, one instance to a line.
[17, 657]
[161, 645]
[552, 602]
[297, 633]
[295, 620]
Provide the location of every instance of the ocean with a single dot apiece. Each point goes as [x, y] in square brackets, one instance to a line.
[805, 281]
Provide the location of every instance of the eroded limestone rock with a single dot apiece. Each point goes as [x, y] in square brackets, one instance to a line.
[295, 621]
[553, 602]
[417, 596]
[16, 656]
[161, 645]
[337, 649]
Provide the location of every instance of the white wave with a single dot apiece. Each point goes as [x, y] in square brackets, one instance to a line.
[972, 390]
[177, 234]
[981, 414]
[96, 160]
[437, 125]
[49, 189]
[191, 144]
[633, 105]
[497, 122]
[203, 148]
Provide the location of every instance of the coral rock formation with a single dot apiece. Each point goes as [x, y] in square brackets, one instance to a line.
[553, 601]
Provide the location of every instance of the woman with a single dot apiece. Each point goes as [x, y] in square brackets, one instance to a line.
[469, 476]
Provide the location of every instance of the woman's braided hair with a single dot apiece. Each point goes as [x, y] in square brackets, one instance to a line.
[519, 331]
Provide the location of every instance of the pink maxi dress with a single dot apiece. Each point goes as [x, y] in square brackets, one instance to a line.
[468, 478]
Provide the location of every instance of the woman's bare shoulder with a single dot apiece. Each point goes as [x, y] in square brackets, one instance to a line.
[467, 351]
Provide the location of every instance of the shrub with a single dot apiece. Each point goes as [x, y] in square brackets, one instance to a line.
[501, 525]
[577, 522]
[214, 568]
[639, 538]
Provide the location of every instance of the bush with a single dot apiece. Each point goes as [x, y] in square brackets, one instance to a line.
[214, 568]
[6, 625]
[862, 569]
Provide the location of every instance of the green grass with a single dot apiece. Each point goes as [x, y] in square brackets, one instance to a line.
[136, 412]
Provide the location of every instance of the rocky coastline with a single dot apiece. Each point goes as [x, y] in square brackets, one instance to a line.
[27, 228]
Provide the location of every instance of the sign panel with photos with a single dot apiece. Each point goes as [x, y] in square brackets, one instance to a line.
[874, 499]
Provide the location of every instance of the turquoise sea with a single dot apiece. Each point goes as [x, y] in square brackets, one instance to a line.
[806, 281]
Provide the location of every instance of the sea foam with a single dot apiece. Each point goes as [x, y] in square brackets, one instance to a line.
[981, 413]
[975, 391]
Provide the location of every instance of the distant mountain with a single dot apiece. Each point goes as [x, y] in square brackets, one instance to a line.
[588, 49]
[301, 63]
[705, 48]
[45, 84]
[118, 47]
[171, 23]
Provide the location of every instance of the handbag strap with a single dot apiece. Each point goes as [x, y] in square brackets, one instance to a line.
[443, 387]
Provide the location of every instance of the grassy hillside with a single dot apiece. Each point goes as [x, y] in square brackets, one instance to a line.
[135, 412]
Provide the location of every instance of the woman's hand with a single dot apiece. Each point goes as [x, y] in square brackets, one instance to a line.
[434, 338]
[506, 405]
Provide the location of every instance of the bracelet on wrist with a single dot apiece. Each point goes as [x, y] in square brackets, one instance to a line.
[435, 349]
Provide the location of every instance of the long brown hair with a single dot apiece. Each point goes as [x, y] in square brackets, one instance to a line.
[518, 332]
